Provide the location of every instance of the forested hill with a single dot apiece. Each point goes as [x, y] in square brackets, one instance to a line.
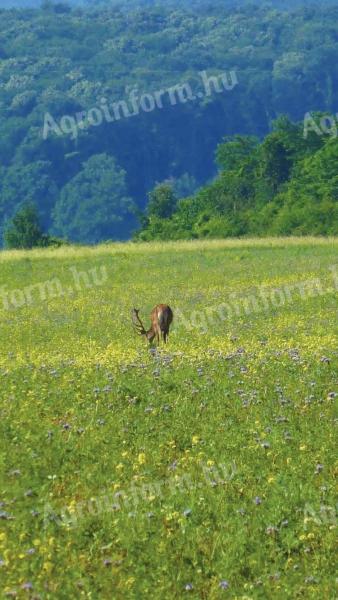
[205, 5]
[86, 180]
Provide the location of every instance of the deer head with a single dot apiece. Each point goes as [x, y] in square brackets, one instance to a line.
[138, 325]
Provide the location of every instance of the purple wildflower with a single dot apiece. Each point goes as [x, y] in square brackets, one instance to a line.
[27, 585]
[107, 562]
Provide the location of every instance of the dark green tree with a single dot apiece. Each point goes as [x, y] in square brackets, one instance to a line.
[276, 161]
[32, 183]
[162, 201]
[24, 230]
[233, 151]
[94, 205]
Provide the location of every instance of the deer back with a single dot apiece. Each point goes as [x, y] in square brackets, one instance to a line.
[161, 317]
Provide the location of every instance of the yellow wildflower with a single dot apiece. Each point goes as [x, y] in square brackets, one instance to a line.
[141, 458]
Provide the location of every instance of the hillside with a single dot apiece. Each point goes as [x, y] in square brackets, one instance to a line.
[194, 4]
[57, 65]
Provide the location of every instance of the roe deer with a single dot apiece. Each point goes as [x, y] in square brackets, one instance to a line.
[161, 319]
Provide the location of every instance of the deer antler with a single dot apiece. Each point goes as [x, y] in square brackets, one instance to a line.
[137, 322]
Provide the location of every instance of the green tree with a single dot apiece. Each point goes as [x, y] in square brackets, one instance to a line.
[233, 151]
[30, 184]
[276, 161]
[94, 205]
[162, 201]
[24, 230]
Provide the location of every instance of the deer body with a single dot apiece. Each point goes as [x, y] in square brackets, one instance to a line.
[161, 318]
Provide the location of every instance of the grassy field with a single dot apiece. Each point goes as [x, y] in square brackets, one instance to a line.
[204, 469]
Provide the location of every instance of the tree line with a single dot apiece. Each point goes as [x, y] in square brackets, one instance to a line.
[285, 185]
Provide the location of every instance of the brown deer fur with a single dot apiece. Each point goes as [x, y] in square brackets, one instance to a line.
[161, 318]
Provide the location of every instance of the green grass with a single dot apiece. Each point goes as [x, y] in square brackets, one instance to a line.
[87, 411]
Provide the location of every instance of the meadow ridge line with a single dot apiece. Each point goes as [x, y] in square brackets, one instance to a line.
[127, 248]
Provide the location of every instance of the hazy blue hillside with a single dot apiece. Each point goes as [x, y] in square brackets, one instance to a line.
[206, 5]
[98, 106]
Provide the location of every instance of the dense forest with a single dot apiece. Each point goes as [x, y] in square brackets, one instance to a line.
[60, 67]
[288, 184]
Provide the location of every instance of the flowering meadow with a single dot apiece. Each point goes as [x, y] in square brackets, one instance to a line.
[201, 469]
